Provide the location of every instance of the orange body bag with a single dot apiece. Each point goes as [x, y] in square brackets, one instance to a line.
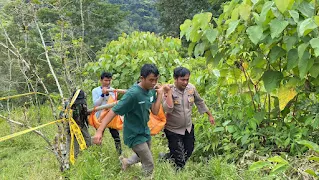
[116, 123]
[156, 122]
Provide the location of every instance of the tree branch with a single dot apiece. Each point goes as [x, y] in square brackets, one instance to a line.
[48, 60]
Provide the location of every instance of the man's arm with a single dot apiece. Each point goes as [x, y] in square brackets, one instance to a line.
[168, 104]
[160, 93]
[156, 106]
[97, 139]
[210, 117]
[97, 97]
[125, 105]
[201, 106]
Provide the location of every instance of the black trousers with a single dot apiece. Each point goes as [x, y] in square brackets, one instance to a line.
[117, 140]
[181, 146]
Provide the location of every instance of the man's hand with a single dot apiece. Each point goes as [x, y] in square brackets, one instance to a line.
[166, 88]
[211, 120]
[162, 89]
[159, 88]
[97, 139]
[104, 90]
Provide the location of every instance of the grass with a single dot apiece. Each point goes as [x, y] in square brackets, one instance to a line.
[27, 157]
[101, 162]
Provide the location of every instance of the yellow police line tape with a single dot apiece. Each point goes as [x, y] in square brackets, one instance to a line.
[28, 130]
[74, 128]
[19, 95]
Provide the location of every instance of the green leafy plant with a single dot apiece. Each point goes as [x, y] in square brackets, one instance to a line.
[125, 56]
[263, 55]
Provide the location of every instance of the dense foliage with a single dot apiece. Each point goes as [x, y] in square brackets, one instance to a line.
[255, 62]
[264, 55]
[173, 13]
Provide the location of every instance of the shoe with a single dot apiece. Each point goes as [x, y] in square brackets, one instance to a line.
[124, 163]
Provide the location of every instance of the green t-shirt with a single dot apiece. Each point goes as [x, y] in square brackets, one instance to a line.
[135, 106]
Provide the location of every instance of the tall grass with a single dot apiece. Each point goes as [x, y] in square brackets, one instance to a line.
[27, 157]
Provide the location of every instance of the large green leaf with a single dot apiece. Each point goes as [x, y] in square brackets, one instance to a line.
[219, 129]
[226, 123]
[185, 27]
[259, 165]
[304, 65]
[256, 73]
[203, 19]
[292, 59]
[231, 28]
[316, 19]
[290, 42]
[195, 35]
[301, 49]
[275, 53]
[295, 15]
[265, 10]
[255, 33]
[191, 48]
[277, 159]
[293, 82]
[259, 61]
[259, 116]
[314, 158]
[285, 94]
[311, 172]
[271, 80]
[199, 49]
[306, 26]
[314, 70]
[310, 145]
[279, 168]
[231, 128]
[307, 9]
[277, 26]
[119, 63]
[244, 139]
[315, 45]
[217, 58]
[283, 5]
[254, 1]
[214, 49]
[235, 14]
[211, 35]
[244, 11]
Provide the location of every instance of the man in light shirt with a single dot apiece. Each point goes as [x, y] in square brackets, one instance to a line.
[100, 97]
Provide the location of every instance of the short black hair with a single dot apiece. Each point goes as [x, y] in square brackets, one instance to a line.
[148, 69]
[106, 75]
[181, 72]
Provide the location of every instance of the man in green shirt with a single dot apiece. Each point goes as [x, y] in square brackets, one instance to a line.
[135, 106]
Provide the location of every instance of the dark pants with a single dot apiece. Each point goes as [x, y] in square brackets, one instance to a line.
[117, 140]
[181, 146]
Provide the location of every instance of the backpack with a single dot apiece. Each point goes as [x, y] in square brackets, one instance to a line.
[80, 109]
